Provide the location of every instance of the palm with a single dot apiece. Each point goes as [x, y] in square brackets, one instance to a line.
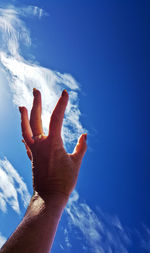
[57, 173]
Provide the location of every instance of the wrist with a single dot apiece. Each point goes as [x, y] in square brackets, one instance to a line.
[45, 208]
[56, 200]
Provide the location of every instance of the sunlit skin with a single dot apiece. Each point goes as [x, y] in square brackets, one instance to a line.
[55, 174]
[54, 170]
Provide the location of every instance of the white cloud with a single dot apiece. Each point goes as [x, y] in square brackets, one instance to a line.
[2, 240]
[143, 237]
[102, 233]
[32, 10]
[24, 76]
[12, 186]
[13, 30]
[68, 244]
[3, 205]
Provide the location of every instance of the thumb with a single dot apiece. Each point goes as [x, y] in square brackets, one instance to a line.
[80, 148]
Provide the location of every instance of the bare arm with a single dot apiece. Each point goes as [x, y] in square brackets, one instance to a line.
[55, 174]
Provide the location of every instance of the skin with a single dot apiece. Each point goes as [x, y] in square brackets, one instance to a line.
[55, 174]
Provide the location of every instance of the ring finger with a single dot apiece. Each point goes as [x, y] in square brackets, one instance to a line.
[35, 116]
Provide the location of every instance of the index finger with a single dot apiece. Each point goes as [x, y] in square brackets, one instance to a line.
[58, 115]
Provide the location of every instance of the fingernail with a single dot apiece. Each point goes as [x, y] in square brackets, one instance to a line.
[85, 137]
[20, 109]
[34, 91]
[64, 92]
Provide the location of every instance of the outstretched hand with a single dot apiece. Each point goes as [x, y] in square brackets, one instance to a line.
[54, 170]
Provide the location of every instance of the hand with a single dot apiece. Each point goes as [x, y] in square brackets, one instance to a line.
[54, 170]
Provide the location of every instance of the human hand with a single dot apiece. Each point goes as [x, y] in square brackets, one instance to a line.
[54, 170]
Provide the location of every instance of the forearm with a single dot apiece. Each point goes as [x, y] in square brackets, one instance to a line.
[37, 230]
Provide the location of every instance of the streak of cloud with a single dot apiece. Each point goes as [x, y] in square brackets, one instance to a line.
[143, 237]
[102, 233]
[2, 240]
[12, 186]
[32, 10]
[12, 31]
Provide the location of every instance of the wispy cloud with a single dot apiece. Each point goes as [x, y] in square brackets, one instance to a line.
[32, 10]
[12, 32]
[12, 186]
[2, 240]
[143, 238]
[102, 233]
[24, 75]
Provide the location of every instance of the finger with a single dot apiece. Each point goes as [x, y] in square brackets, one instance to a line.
[58, 115]
[80, 149]
[25, 126]
[29, 153]
[35, 117]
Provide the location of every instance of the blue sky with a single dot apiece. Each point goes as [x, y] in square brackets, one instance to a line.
[99, 51]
